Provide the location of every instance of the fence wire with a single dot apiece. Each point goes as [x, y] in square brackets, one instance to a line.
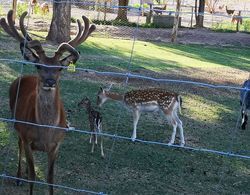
[128, 75]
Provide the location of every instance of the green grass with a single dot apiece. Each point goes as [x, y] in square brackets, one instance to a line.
[160, 57]
[231, 27]
[209, 118]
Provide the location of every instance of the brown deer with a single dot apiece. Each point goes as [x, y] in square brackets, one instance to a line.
[95, 123]
[159, 10]
[229, 11]
[36, 98]
[149, 100]
[236, 17]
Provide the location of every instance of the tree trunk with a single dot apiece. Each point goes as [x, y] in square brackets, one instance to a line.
[60, 26]
[200, 17]
[122, 11]
[14, 8]
[176, 21]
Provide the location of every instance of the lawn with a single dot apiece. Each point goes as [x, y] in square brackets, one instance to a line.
[209, 120]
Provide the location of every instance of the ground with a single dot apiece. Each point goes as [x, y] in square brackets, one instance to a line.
[209, 116]
[185, 35]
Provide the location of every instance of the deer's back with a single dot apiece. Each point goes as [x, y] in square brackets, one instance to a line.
[144, 97]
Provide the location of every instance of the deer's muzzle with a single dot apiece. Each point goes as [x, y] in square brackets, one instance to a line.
[49, 84]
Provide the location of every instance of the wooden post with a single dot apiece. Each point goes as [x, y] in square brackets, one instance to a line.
[105, 11]
[176, 22]
[14, 8]
[192, 16]
[149, 16]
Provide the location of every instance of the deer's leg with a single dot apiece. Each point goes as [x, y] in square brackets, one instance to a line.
[171, 120]
[93, 136]
[51, 161]
[30, 162]
[96, 130]
[99, 131]
[90, 139]
[179, 124]
[19, 169]
[244, 119]
[136, 116]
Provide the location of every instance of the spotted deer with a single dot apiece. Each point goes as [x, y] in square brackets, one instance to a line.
[148, 100]
[95, 123]
[36, 98]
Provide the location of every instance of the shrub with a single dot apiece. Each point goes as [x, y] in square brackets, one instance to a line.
[21, 7]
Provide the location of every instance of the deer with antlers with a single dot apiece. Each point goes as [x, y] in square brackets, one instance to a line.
[36, 98]
[148, 100]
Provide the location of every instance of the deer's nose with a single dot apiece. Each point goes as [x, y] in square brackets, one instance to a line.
[50, 82]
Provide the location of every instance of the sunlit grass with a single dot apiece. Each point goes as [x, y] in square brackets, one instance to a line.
[229, 26]
[209, 118]
[211, 110]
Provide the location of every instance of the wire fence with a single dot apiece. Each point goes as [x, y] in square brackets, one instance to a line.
[151, 15]
[126, 76]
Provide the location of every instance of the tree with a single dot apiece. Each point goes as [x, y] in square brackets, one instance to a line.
[60, 26]
[14, 6]
[176, 22]
[122, 11]
[200, 14]
[211, 5]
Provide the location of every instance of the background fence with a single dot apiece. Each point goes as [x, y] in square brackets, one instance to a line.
[127, 56]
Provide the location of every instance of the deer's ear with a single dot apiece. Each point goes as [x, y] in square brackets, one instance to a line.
[28, 54]
[69, 59]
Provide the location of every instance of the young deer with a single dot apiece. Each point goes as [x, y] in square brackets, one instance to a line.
[236, 17]
[245, 103]
[33, 3]
[149, 100]
[44, 8]
[36, 98]
[95, 123]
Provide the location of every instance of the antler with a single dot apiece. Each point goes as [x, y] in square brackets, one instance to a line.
[66, 47]
[27, 42]
[11, 30]
[82, 35]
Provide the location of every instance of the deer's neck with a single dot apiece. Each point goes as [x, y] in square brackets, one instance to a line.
[115, 96]
[48, 107]
[88, 108]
